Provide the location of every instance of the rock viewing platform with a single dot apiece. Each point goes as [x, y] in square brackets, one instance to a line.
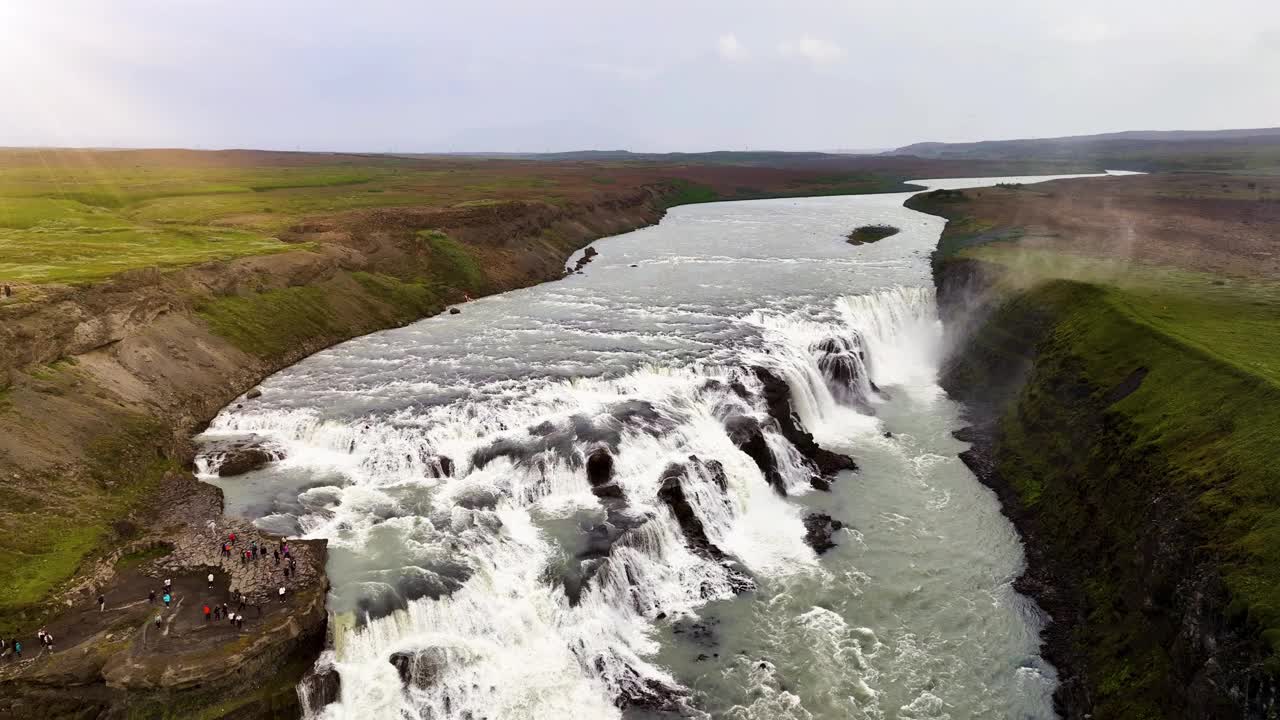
[250, 650]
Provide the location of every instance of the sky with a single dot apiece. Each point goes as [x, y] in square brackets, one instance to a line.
[659, 75]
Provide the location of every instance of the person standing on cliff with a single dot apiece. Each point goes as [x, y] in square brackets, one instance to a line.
[8, 291]
[167, 597]
[102, 603]
[168, 586]
[210, 581]
[276, 554]
[151, 598]
[207, 613]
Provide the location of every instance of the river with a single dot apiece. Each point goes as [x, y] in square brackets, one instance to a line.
[444, 462]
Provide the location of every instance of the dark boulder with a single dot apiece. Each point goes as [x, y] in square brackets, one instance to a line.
[321, 686]
[587, 256]
[477, 498]
[241, 460]
[651, 695]
[777, 397]
[577, 572]
[253, 394]
[609, 491]
[843, 365]
[819, 528]
[599, 467]
[454, 311]
[747, 435]
[438, 466]
[423, 668]
[671, 493]
[600, 475]
[837, 359]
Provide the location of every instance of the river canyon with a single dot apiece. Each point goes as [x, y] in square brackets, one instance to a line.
[711, 475]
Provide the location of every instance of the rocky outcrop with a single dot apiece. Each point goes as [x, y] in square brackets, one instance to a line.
[842, 363]
[132, 667]
[600, 476]
[747, 435]
[777, 398]
[241, 460]
[423, 668]
[818, 531]
[671, 493]
[587, 256]
[319, 687]
[1115, 554]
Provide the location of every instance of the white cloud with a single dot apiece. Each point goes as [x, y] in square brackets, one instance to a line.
[815, 50]
[1084, 31]
[730, 49]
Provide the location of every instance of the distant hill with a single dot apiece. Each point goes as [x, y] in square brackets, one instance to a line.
[769, 158]
[1256, 149]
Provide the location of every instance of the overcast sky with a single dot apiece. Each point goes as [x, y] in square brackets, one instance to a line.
[657, 75]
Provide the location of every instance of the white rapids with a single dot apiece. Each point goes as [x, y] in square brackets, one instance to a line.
[477, 573]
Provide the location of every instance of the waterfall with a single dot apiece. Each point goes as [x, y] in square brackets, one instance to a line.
[512, 557]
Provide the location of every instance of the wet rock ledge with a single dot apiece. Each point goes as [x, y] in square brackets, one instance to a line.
[120, 663]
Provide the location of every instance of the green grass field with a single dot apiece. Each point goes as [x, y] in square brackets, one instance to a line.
[77, 223]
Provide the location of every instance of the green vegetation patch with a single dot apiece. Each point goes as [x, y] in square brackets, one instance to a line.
[687, 192]
[452, 264]
[59, 521]
[271, 323]
[410, 300]
[66, 252]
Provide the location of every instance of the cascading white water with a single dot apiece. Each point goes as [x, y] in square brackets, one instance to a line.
[478, 573]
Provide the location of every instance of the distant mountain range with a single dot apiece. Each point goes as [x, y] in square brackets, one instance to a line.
[1141, 145]
[1239, 150]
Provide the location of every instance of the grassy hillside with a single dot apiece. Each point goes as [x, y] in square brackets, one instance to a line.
[1254, 151]
[1140, 451]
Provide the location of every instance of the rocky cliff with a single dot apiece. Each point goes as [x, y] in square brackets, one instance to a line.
[1114, 448]
[102, 386]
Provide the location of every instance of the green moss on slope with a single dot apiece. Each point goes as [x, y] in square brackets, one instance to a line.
[271, 323]
[48, 535]
[452, 265]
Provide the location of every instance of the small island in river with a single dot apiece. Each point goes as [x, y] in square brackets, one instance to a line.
[864, 234]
